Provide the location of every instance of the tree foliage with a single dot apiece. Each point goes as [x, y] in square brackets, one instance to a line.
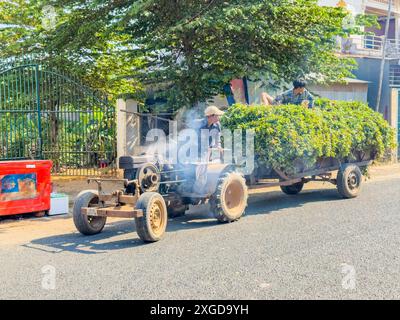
[28, 28]
[187, 50]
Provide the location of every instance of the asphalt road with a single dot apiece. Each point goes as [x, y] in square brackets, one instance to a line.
[310, 246]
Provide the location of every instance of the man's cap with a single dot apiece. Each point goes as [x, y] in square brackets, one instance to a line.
[211, 110]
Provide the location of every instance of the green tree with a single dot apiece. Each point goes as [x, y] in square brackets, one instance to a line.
[193, 48]
[31, 27]
[187, 50]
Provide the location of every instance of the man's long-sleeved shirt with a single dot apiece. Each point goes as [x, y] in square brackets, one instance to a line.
[288, 97]
[214, 133]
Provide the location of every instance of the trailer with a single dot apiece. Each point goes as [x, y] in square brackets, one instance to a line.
[151, 192]
[346, 174]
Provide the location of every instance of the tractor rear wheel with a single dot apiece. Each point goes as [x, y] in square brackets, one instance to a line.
[229, 201]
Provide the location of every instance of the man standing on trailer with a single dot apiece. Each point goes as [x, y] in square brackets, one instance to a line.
[299, 95]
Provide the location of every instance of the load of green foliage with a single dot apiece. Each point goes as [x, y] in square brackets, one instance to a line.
[286, 134]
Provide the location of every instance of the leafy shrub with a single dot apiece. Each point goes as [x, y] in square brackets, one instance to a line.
[285, 135]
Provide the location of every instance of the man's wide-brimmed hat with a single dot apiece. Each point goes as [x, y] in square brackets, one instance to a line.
[213, 110]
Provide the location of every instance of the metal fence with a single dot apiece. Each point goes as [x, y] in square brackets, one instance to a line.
[47, 114]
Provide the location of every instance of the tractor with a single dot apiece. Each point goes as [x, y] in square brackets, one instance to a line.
[152, 191]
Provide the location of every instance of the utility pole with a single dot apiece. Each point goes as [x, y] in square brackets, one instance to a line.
[389, 14]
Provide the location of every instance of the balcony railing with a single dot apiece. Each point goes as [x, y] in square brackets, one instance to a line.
[361, 45]
[369, 46]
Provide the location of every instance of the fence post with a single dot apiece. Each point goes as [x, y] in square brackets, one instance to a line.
[37, 88]
[128, 128]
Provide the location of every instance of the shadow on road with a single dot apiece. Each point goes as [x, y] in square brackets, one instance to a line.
[271, 202]
[199, 217]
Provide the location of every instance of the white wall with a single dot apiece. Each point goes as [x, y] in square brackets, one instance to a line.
[350, 92]
[128, 128]
[355, 6]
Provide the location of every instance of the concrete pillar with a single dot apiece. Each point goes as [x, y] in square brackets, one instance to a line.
[132, 127]
[128, 128]
[394, 116]
[121, 128]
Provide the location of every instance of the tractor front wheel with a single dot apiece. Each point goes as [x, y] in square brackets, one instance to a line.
[152, 225]
[87, 225]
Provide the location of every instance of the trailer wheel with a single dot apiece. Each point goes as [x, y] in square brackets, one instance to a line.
[293, 189]
[87, 225]
[151, 226]
[349, 180]
[230, 198]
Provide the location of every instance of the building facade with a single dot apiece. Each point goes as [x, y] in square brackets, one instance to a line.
[368, 52]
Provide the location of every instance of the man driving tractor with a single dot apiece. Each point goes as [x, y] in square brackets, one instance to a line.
[212, 124]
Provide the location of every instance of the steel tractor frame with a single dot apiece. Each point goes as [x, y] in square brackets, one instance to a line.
[153, 192]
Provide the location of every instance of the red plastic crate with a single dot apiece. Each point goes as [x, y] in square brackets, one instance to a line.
[25, 186]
